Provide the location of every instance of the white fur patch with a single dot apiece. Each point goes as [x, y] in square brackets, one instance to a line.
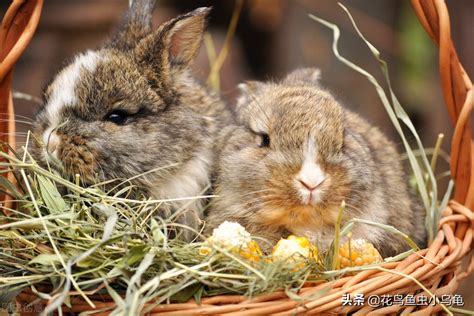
[63, 94]
[311, 152]
[62, 89]
[191, 180]
[311, 173]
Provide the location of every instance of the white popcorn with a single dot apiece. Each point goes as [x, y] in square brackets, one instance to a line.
[230, 235]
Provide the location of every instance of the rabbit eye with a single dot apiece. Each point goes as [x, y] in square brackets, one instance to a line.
[117, 117]
[264, 140]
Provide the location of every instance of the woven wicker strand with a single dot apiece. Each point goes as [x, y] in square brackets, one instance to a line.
[438, 267]
[458, 95]
[18, 27]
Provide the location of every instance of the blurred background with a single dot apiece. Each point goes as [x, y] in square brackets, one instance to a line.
[272, 38]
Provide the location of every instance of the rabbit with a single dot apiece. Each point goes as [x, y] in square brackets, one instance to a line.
[132, 110]
[296, 154]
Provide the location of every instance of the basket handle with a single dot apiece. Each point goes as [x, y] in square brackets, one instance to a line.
[17, 29]
[458, 96]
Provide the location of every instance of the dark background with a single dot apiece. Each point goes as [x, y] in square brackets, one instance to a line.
[274, 37]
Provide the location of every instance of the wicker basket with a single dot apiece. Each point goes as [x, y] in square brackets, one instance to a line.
[439, 268]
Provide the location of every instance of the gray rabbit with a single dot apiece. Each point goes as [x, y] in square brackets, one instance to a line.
[297, 155]
[132, 107]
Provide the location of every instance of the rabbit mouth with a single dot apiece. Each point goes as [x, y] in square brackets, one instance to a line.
[68, 161]
[78, 161]
[311, 194]
[310, 197]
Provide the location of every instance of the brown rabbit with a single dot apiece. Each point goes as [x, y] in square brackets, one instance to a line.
[297, 155]
[132, 110]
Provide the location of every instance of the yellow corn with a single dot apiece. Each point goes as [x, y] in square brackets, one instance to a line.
[204, 250]
[296, 248]
[358, 252]
[251, 252]
[234, 238]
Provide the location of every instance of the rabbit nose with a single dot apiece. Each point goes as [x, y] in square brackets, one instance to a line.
[311, 186]
[310, 176]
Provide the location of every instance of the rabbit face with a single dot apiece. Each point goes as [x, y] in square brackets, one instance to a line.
[132, 108]
[288, 163]
[296, 155]
[104, 118]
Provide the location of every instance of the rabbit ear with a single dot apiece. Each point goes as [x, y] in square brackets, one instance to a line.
[248, 92]
[176, 42]
[307, 75]
[135, 25]
[250, 88]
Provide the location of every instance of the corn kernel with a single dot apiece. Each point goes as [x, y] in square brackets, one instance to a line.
[358, 252]
[204, 250]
